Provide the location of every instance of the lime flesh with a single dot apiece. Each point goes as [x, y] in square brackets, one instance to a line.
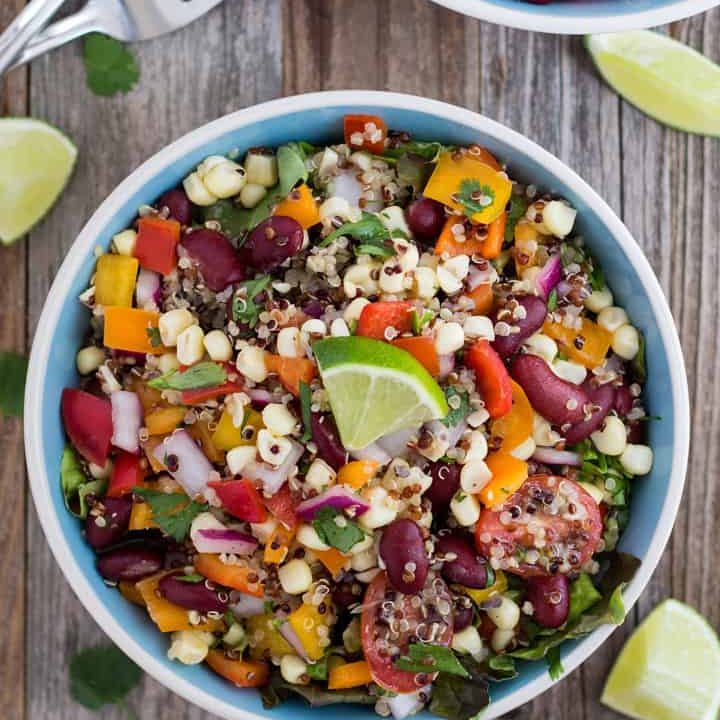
[662, 77]
[669, 669]
[375, 389]
[36, 161]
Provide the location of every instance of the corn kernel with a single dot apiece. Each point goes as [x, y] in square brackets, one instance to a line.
[190, 346]
[218, 346]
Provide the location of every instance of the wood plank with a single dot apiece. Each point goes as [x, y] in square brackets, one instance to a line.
[225, 61]
[13, 101]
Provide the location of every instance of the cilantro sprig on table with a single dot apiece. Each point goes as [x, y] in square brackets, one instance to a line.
[13, 368]
[109, 66]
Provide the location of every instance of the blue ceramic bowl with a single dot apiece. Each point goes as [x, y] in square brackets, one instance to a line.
[318, 118]
[579, 17]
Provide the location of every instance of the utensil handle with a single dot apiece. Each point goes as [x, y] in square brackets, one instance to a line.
[21, 30]
[63, 31]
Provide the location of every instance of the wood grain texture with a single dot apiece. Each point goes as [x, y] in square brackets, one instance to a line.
[13, 101]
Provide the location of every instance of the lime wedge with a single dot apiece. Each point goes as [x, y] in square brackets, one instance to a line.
[375, 389]
[662, 77]
[669, 669]
[36, 160]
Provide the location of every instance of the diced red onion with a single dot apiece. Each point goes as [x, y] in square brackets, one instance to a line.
[404, 704]
[395, 444]
[147, 289]
[455, 433]
[273, 478]
[259, 396]
[287, 631]
[337, 497]
[549, 276]
[563, 288]
[127, 419]
[189, 465]
[372, 452]
[245, 606]
[447, 364]
[550, 456]
[211, 540]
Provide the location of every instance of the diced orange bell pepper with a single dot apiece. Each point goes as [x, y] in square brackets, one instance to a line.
[333, 560]
[150, 397]
[482, 298]
[131, 329]
[493, 243]
[463, 183]
[243, 673]
[163, 420]
[300, 205]
[278, 545]
[526, 245]
[517, 426]
[422, 348]
[357, 473]
[349, 675]
[291, 371]
[484, 155]
[587, 346]
[141, 517]
[509, 474]
[452, 242]
[148, 447]
[365, 132]
[130, 592]
[156, 245]
[237, 577]
[115, 277]
[201, 432]
[166, 615]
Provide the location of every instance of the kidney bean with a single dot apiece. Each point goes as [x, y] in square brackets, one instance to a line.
[325, 435]
[636, 432]
[272, 242]
[462, 617]
[192, 595]
[130, 562]
[557, 400]
[178, 205]
[402, 548]
[535, 312]
[468, 568]
[425, 218]
[602, 398]
[346, 593]
[445, 483]
[217, 260]
[550, 598]
[108, 527]
[623, 400]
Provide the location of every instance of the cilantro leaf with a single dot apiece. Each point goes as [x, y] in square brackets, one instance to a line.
[75, 485]
[102, 675]
[291, 167]
[341, 536]
[109, 66]
[319, 669]
[191, 578]
[420, 321]
[597, 279]
[376, 250]
[13, 368]
[474, 197]
[153, 334]
[305, 411]
[429, 151]
[552, 300]
[431, 658]
[202, 375]
[369, 230]
[458, 408]
[518, 208]
[244, 308]
[173, 512]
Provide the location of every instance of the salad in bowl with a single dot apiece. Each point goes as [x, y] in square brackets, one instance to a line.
[358, 422]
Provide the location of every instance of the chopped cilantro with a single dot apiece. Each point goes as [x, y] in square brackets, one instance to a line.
[173, 512]
[373, 237]
[459, 409]
[192, 578]
[202, 375]
[471, 193]
[518, 207]
[420, 321]
[552, 300]
[154, 336]
[244, 308]
[341, 536]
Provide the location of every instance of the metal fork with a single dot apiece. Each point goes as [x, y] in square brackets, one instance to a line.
[127, 20]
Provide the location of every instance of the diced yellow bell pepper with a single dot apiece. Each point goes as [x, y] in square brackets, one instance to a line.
[141, 517]
[466, 184]
[587, 346]
[227, 436]
[305, 621]
[115, 277]
[163, 420]
[479, 596]
[265, 639]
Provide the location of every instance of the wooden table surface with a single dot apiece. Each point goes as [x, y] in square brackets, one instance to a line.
[664, 184]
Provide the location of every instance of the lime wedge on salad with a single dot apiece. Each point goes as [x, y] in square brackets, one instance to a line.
[375, 389]
[669, 669]
[36, 161]
[662, 77]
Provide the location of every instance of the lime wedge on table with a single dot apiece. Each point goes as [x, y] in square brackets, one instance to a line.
[36, 160]
[375, 389]
[669, 669]
[662, 77]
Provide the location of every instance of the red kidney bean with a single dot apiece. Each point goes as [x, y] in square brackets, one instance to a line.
[178, 205]
[636, 432]
[445, 483]
[468, 568]
[272, 242]
[462, 616]
[325, 435]
[550, 598]
[535, 312]
[402, 548]
[557, 400]
[602, 398]
[425, 219]
[346, 593]
[108, 527]
[217, 260]
[130, 562]
[192, 595]
[623, 400]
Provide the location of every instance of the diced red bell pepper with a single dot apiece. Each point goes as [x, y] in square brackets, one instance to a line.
[127, 473]
[377, 317]
[365, 132]
[282, 506]
[491, 378]
[240, 499]
[156, 244]
[88, 423]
